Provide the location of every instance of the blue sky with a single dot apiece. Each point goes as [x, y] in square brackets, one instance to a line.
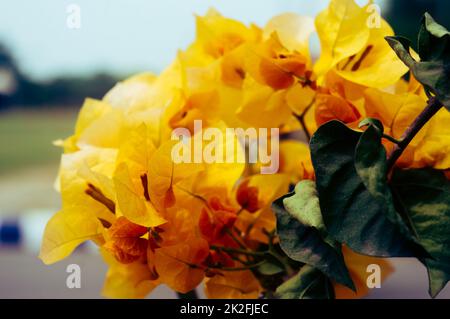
[121, 36]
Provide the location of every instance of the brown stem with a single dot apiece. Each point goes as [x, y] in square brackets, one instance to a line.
[301, 120]
[431, 109]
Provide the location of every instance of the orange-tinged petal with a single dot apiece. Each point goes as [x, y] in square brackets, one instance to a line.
[179, 266]
[280, 73]
[233, 285]
[133, 280]
[270, 187]
[357, 266]
[124, 240]
[123, 228]
[331, 107]
[247, 197]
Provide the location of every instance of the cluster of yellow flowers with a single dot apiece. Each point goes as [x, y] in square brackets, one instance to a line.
[160, 222]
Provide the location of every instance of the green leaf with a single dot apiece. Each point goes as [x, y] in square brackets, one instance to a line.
[401, 47]
[308, 283]
[370, 164]
[355, 201]
[303, 236]
[433, 40]
[423, 196]
[372, 122]
[270, 268]
[304, 205]
[433, 70]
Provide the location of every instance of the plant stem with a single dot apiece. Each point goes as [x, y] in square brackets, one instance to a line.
[273, 252]
[248, 267]
[430, 110]
[239, 251]
[301, 120]
[236, 240]
[390, 138]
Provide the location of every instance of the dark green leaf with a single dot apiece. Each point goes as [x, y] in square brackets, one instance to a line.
[355, 202]
[308, 283]
[435, 76]
[401, 47]
[374, 122]
[303, 236]
[424, 198]
[370, 164]
[433, 40]
[433, 70]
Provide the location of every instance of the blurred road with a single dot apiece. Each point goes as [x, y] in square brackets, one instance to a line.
[23, 275]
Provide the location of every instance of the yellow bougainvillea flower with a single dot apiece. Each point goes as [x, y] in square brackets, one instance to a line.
[218, 35]
[65, 231]
[293, 31]
[133, 94]
[123, 240]
[352, 43]
[255, 195]
[342, 31]
[262, 106]
[162, 221]
[95, 116]
[222, 175]
[131, 179]
[85, 181]
[431, 145]
[332, 107]
[270, 63]
[179, 265]
[164, 174]
[132, 280]
[202, 106]
[87, 202]
[234, 285]
[357, 266]
[434, 149]
[295, 161]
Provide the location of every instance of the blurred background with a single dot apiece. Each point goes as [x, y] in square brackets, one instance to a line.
[49, 65]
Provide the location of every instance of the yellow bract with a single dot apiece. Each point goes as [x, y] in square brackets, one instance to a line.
[352, 43]
[65, 231]
[233, 285]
